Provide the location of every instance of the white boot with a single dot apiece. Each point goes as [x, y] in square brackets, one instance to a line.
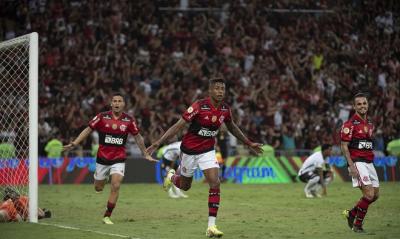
[180, 193]
[171, 193]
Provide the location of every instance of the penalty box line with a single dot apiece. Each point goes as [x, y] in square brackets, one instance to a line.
[87, 230]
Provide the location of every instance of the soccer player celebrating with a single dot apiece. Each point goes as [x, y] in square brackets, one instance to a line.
[113, 127]
[205, 117]
[357, 146]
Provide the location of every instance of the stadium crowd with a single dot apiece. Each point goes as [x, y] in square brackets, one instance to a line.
[290, 74]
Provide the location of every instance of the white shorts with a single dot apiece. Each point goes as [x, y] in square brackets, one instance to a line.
[102, 171]
[189, 163]
[368, 175]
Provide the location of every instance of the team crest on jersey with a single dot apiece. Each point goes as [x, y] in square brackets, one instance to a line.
[184, 170]
[365, 178]
[221, 119]
[214, 118]
[122, 127]
[190, 109]
[114, 126]
[346, 130]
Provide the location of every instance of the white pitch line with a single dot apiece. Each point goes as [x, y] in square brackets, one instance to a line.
[87, 230]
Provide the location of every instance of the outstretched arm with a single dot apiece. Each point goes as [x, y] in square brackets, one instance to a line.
[178, 126]
[142, 147]
[82, 136]
[234, 129]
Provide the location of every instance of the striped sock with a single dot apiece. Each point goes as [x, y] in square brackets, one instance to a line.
[362, 209]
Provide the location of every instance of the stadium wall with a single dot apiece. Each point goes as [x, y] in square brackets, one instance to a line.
[243, 170]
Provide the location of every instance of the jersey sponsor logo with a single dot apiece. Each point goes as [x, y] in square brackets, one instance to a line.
[122, 127]
[114, 126]
[205, 107]
[356, 122]
[224, 108]
[107, 117]
[365, 145]
[126, 119]
[346, 130]
[214, 118]
[207, 133]
[112, 140]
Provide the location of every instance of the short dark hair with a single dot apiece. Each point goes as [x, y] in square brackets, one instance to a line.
[325, 147]
[360, 95]
[118, 94]
[215, 80]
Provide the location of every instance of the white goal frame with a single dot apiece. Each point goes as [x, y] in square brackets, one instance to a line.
[33, 39]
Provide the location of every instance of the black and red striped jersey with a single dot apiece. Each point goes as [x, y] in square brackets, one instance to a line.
[113, 133]
[359, 134]
[205, 121]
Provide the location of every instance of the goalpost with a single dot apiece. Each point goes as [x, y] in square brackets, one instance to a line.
[19, 118]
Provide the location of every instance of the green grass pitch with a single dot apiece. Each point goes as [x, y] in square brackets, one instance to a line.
[247, 211]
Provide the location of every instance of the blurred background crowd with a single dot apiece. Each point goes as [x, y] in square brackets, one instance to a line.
[291, 68]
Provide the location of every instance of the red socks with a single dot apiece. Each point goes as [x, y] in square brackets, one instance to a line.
[213, 201]
[110, 208]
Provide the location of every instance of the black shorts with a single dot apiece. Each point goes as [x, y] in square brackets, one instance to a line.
[305, 177]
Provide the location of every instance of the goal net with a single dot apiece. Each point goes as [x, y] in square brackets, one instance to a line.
[18, 121]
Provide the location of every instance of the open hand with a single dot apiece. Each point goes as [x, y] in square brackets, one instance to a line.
[256, 148]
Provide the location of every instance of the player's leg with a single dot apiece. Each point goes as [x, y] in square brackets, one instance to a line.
[4, 216]
[328, 177]
[117, 175]
[312, 185]
[100, 176]
[210, 167]
[358, 212]
[183, 177]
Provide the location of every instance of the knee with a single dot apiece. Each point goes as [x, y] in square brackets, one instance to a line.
[115, 186]
[215, 184]
[370, 196]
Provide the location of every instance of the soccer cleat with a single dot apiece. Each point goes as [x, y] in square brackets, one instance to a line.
[172, 194]
[350, 219]
[107, 220]
[182, 195]
[213, 231]
[358, 229]
[309, 195]
[167, 180]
